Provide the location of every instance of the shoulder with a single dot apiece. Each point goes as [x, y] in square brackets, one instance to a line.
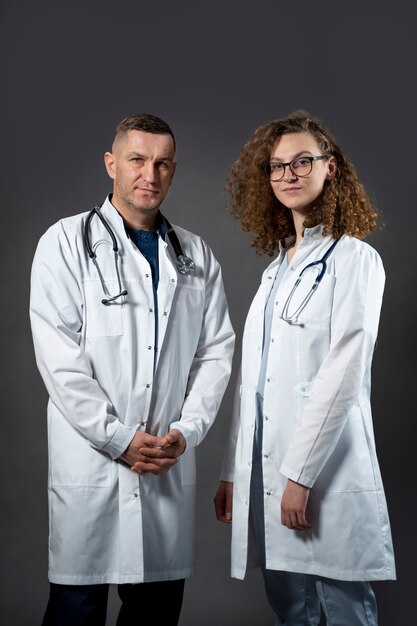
[354, 254]
[354, 247]
[192, 241]
[66, 233]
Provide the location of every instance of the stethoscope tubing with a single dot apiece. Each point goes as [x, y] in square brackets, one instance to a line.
[293, 318]
[184, 263]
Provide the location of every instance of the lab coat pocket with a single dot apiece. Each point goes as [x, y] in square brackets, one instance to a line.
[102, 320]
[72, 460]
[188, 467]
[318, 307]
[303, 389]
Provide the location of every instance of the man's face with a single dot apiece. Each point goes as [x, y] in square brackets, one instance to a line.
[142, 168]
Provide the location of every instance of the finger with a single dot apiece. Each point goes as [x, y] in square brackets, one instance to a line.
[151, 440]
[151, 468]
[159, 453]
[148, 463]
[219, 507]
[302, 521]
[229, 505]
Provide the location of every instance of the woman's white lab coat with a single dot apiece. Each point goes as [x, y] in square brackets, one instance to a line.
[107, 523]
[317, 423]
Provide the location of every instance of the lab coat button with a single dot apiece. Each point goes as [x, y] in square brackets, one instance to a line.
[268, 493]
[266, 456]
[172, 280]
[270, 277]
[146, 275]
[165, 313]
[266, 418]
[268, 380]
[150, 310]
[142, 423]
[147, 386]
[136, 495]
[149, 347]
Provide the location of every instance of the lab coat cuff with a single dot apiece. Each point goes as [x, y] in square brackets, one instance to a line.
[188, 432]
[120, 440]
[297, 477]
[227, 476]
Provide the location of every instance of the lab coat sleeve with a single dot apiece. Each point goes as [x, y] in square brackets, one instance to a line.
[357, 300]
[228, 465]
[56, 315]
[211, 366]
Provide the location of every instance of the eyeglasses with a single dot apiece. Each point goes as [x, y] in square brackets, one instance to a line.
[299, 167]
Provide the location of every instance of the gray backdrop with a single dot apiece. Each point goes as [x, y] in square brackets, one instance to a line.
[215, 71]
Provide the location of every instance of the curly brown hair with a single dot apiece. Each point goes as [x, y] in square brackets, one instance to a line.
[343, 207]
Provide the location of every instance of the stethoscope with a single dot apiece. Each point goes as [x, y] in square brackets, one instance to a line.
[184, 264]
[293, 318]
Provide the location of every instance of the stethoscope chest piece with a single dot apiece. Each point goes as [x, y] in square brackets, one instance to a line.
[185, 265]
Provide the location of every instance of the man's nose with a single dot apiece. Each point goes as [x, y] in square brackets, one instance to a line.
[149, 173]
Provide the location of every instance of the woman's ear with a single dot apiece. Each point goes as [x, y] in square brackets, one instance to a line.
[331, 168]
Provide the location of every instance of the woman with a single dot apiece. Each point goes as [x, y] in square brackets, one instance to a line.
[301, 467]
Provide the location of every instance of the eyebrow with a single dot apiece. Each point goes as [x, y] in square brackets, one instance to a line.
[296, 156]
[142, 156]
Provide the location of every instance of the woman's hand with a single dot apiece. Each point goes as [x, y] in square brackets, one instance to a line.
[293, 506]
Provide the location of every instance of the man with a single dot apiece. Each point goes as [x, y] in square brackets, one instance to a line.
[134, 345]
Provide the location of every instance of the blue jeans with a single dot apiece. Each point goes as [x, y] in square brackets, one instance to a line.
[297, 599]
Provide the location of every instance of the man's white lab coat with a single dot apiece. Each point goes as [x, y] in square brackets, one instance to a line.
[107, 523]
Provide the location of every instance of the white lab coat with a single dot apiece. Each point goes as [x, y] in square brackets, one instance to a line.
[107, 523]
[317, 423]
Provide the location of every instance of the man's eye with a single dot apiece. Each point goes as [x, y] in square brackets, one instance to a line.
[137, 159]
[163, 165]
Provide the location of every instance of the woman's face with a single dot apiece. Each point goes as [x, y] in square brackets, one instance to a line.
[295, 191]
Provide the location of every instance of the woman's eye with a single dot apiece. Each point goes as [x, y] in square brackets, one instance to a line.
[276, 167]
[301, 162]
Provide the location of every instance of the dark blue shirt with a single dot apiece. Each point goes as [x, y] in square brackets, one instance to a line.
[147, 244]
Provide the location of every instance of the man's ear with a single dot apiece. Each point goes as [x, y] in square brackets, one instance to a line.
[110, 163]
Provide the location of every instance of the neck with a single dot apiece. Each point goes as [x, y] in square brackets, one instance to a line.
[298, 219]
[135, 218]
[140, 221]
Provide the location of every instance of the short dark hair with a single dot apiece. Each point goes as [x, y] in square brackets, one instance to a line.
[145, 122]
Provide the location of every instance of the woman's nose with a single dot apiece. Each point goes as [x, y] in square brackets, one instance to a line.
[289, 174]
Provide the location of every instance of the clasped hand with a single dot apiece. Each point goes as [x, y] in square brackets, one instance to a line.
[156, 455]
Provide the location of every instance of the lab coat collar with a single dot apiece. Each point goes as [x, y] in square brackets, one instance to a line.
[309, 233]
[111, 213]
